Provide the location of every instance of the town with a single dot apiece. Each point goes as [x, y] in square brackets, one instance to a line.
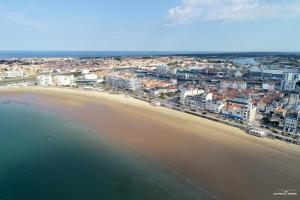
[259, 95]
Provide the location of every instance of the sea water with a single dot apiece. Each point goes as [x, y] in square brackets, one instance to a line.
[45, 156]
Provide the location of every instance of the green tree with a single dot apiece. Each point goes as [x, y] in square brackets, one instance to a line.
[266, 120]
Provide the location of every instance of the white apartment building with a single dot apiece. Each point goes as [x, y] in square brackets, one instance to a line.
[90, 76]
[13, 74]
[64, 80]
[198, 102]
[292, 119]
[189, 92]
[241, 109]
[214, 106]
[293, 99]
[289, 82]
[159, 91]
[127, 83]
[44, 80]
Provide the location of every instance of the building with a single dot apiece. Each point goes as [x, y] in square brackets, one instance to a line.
[13, 74]
[189, 92]
[214, 106]
[264, 74]
[122, 82]
[197, 102]
[64, 80]
[160, 91]
[270, 108]
[85, 71]
[239, 85]
[187, 73]
[293, 98]
[270, 86]
[240, 109]
[89, 79]
[163, 69]
[261, 106]
[291, 121]
[44, 80]
[238, 74]
[289, 82]
[288, 79]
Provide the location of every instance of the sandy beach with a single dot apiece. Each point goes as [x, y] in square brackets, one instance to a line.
[224, 160]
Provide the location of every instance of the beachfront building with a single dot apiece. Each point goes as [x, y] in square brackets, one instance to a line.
[161, 91]
[197, 102]
[44, 80]
[239, 85]
[90, 76]
[239, 109]
[64, 80]
[123, 82]
[89, 79]
[189, 92]
[292, 119]
[214, 106]
[13, 74]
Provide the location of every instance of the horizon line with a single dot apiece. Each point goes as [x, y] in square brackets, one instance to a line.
[183, 51]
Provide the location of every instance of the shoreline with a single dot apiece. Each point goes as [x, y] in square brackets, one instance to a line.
[193, 146]
[140, 103]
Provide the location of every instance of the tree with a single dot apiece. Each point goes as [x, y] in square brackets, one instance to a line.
[275, 123]
[266, 120]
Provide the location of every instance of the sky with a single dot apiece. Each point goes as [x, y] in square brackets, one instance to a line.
[150, 25]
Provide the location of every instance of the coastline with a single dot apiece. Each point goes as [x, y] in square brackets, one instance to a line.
[228, 162]
[82, 95]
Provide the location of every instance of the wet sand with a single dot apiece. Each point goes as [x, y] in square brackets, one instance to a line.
[224, 160]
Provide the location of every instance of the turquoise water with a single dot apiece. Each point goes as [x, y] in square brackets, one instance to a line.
[44, 156]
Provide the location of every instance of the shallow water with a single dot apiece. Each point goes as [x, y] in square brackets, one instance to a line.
[44, 156]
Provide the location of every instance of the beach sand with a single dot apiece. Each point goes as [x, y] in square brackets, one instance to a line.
[224, 160]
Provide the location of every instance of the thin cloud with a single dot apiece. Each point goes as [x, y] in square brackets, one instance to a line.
[17, 18]
[221, 10]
